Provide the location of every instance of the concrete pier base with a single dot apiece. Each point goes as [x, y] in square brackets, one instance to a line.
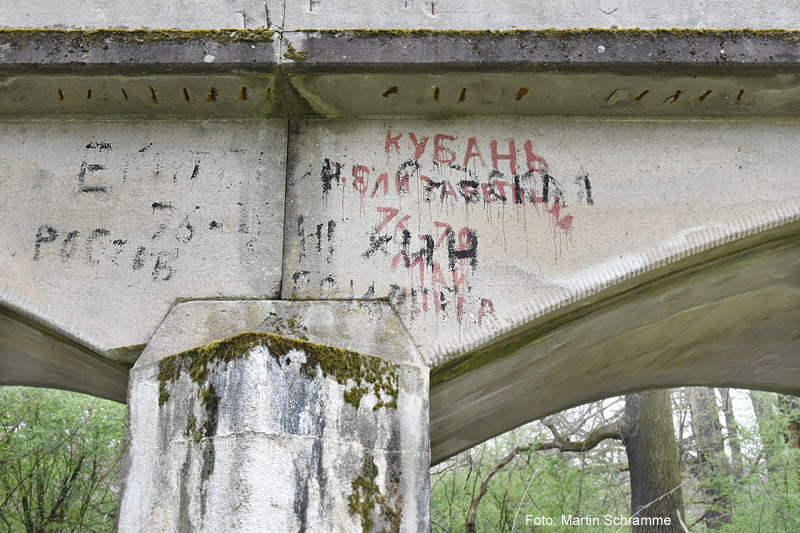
[277, 416]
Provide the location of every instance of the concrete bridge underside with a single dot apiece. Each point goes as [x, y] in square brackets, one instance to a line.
[726, 320]
[550, 228]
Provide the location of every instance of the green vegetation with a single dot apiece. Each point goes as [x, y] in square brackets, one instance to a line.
[60, 451]
[59, 461]
[536, 483]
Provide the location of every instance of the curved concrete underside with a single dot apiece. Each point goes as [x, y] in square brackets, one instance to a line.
[729, 320]
[32, 355]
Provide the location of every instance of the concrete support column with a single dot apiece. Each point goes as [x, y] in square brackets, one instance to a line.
[277, 416]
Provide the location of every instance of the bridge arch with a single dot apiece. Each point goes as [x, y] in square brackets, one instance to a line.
[730, 319]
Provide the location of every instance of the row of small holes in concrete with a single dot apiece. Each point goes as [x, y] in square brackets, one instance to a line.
[674, 98]
[213, 94]
[524, 90]
[461, 96]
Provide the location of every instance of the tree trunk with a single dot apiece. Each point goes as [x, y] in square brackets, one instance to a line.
[789, 407]
[649, 437]
[733, 433]
[712, 462]
[762, 407]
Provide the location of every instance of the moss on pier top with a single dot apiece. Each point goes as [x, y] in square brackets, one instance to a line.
[359, 373]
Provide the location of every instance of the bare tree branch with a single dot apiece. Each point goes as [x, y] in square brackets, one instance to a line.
[595, 437]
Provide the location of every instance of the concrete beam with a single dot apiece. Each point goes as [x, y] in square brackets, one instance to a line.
[174, 51]
[190, 96]
[475, 227]
[138, 51]
[686, 51]
[548, 93]
[114, 221]
[232, 73]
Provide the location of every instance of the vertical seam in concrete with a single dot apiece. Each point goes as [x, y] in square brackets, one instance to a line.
[285, 205]
[426, 360]
[280, 50]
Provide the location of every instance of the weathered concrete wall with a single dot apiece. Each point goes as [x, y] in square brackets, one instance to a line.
[480, 248]
[520, 14]
[434, 14]
[114, 221]
[475, 244]
[263, 431]
[474, 228]
[132, 15]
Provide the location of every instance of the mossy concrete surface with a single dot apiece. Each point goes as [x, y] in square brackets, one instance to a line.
[265, 50]
[359, 373]
[287, 429]
[675, 51]
[169, 50]
[366, 327]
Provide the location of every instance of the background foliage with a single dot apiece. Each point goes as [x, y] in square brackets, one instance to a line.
[60, 452]
[59, 460]
[762, 496]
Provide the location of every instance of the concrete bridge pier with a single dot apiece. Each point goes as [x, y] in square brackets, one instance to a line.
[277, 416]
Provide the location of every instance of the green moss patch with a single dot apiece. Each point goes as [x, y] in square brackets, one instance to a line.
[366, 496]
[359, 373]
[294, 54]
